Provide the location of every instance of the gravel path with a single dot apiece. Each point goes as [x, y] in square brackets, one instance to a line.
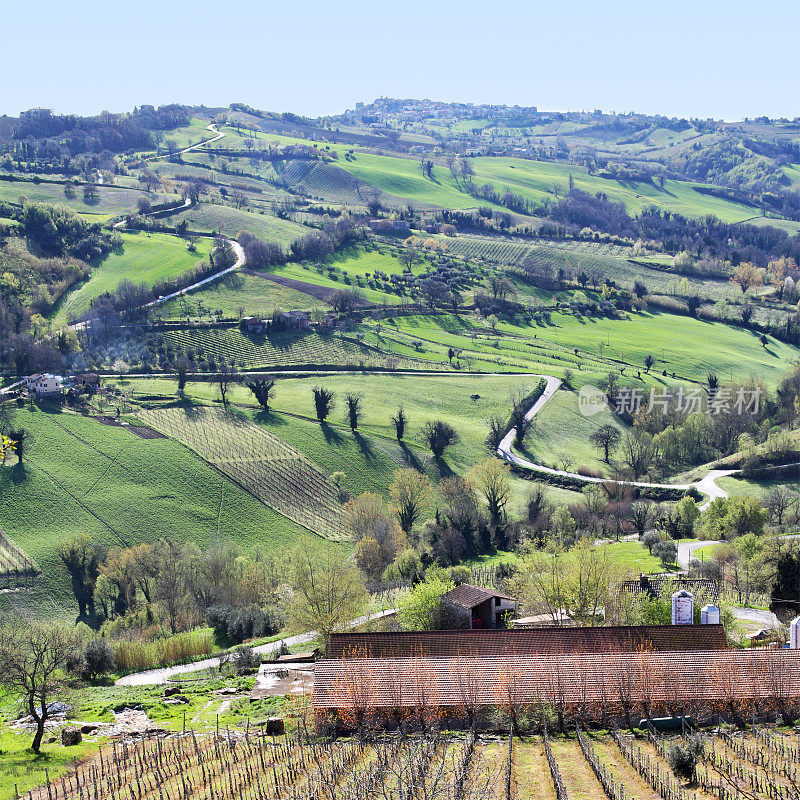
[159, 676]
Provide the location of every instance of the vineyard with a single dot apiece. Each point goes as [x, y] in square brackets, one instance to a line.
[253, 766]
[260, 462]
[323, 180]
[501, 250]
[261, 351]
[14, 564]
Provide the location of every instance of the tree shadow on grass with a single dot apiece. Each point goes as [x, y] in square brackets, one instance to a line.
[443, 467]
[365, 446]
[269, 417]
[19, 473]
[332, 436]
[410, 457]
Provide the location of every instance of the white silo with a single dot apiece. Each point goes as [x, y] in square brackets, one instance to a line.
[794, 634]
[709, 615]
[682, 608]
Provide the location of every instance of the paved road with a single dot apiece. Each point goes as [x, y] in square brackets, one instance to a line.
[706, 485]
[685, 549]
[240, 259]
[158, 676]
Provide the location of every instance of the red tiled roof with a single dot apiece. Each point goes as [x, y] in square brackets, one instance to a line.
[468, 596]
[610, 677]
[492, 643]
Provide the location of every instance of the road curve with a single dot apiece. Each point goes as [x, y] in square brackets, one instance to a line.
[705, 486]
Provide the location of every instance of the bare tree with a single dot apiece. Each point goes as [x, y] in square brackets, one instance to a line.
[606, 438]
[33, 657]
[226, 378]
[777, 502]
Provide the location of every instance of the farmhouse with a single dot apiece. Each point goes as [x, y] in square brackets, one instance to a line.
[389, 225]
[475, 607]
[86, 379]
[44, 384]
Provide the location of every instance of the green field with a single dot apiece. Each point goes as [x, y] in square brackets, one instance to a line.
[687, 346]
[617, 263]
[736, 486]
[534, 180]
[107, 482]
[279, 350]
[143, 258]
[560, 431]
[230, 221]
[112, 200]
[369, 458]
[258, 296]
[351, 267]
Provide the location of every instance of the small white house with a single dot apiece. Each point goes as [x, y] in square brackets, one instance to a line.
[44, 384]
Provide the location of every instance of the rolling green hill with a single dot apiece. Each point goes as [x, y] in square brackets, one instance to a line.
[143, 258]
[230, 221]
[105, 481]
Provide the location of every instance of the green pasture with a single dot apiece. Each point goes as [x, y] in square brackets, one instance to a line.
[735, 486]
[561, 432]
[112, 200]
[107, 482]
[684, 345]
[193, 133]
[258, 296]
[143, 258]
[534, 180]
[370, 457]
[21, 770]
[211, 217]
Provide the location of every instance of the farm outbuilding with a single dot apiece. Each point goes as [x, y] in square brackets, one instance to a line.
[525, 641]
[475, 607]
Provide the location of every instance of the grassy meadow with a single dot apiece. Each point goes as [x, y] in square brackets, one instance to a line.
[112, 200]
[213, 218]
[143, 258]
[258, 296]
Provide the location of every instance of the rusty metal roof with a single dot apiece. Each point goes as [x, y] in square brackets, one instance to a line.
[520, 641]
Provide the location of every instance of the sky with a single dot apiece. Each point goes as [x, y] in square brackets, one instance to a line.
[723, 59]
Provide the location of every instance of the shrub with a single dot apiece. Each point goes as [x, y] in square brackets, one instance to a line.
[683, 757]
[650, 539]
[98, 658]
[245, 660]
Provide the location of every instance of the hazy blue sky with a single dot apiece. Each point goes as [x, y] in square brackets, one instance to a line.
[721, 59]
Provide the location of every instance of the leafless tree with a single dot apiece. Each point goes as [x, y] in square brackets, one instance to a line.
[33, 657]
